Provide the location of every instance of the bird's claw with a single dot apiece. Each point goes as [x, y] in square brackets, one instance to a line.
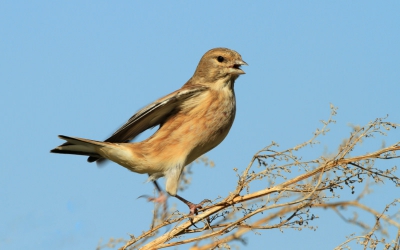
[193, 208]
[162, 198]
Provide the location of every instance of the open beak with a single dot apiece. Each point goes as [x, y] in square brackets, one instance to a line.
[237, 65]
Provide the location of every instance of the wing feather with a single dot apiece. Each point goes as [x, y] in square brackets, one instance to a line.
[153, 114]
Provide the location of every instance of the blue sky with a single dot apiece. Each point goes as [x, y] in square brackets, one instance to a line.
[83, 68]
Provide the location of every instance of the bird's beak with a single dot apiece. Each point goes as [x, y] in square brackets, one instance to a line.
[236, 67]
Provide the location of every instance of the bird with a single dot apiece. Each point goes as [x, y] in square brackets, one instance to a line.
[192, 120]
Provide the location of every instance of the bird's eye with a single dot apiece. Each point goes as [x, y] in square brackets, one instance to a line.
[220, 59]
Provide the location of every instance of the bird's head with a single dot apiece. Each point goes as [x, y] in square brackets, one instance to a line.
[219, 63]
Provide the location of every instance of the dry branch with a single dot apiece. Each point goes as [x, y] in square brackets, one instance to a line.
[287, 204]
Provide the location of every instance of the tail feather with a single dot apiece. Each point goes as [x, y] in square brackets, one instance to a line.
[78, 146]
[72, 152]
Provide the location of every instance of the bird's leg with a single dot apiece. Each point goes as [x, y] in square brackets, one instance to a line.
[192, 207]
[162, 198]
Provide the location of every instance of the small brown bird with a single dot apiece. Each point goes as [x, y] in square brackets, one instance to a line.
[193, 120]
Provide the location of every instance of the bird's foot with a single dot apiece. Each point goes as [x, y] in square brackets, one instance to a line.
[161, 199]
[193, 208]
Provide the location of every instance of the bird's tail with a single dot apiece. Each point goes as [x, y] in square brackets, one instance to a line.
[79, 146]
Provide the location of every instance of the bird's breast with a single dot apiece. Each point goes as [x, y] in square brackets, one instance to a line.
[211, 121]
[201, 124]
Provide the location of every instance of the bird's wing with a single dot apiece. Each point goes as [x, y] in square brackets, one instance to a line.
[153, 114]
